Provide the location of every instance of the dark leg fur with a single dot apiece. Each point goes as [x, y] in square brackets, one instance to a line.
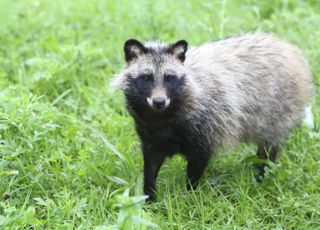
[152, 164]
[197, 162]
[155, 151]
[156, 146]
[195, 169]
[265, 152]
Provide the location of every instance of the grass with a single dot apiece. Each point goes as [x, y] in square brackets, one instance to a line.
[69, 155]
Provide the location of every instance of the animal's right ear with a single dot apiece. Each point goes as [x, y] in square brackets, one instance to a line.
[132, 49]
[179, 49]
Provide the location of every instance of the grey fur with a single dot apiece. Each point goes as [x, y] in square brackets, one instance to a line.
[252, 87]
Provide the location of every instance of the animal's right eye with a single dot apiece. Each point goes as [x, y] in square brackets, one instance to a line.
[146, 77]
[169, 78]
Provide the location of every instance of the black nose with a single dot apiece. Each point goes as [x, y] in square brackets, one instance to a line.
[159, 102]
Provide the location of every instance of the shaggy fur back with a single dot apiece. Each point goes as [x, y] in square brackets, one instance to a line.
[251, 87]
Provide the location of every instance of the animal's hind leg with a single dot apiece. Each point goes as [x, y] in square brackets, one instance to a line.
[265, 152]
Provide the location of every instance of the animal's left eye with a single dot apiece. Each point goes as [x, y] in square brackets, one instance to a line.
[169, 78]
[146, 77]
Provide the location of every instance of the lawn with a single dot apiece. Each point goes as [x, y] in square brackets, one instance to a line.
[69, 154]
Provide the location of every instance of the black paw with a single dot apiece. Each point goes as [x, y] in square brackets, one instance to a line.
[150, 200]
[191, 185]
[261, 172]
[151, 197]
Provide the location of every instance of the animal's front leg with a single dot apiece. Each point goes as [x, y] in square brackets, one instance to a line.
[197, 162]
[152, 163]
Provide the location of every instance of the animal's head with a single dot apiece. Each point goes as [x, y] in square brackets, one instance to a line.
[155, 77]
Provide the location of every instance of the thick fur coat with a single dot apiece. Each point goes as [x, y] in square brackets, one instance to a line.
[252, 87]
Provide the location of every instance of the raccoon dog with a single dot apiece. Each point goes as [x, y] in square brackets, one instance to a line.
[252, 87]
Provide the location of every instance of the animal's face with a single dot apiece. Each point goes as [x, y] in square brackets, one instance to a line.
[155, 76]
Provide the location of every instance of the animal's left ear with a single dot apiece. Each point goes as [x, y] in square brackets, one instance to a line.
[179, 49]
[133, 49]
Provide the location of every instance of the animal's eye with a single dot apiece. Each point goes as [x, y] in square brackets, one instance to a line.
[169, 78]
[146, 77]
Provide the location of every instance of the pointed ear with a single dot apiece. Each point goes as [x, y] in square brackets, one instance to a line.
[179, 49]
[132, 49]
